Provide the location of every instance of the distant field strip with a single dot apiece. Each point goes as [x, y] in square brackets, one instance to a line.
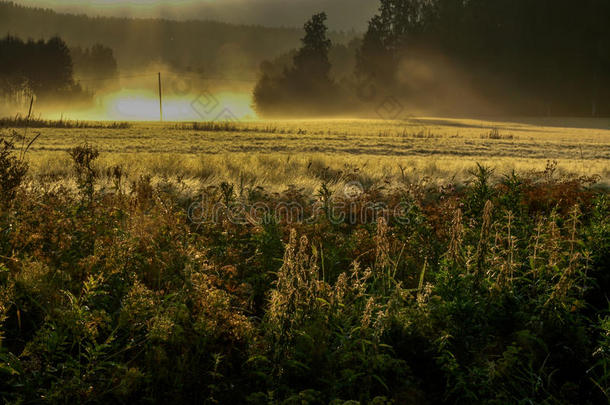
[277, 152]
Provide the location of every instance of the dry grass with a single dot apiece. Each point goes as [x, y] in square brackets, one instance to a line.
[485, 293]
[306, 153]
[20, 121]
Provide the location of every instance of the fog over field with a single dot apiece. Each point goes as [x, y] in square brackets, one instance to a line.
[292, 59]
[282, 202]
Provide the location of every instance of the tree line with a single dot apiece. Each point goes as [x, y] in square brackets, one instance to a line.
[47, 69]
[203, 47]
[94, 63]
[542, 57]
[40, 68]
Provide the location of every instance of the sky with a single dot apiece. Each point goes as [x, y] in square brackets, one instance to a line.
[343, 14]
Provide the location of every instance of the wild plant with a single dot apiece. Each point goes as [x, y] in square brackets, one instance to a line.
[83, 158]
[12, 170]
[297, 286]
[6, 297]
[454, 252]
[480, 190]
[600, 372]
[482, 293]
[117, 174]
[483, 243]
[20, 121]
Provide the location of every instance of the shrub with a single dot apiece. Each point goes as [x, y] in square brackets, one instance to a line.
[12, 170]
[491, 292]
[83, 158]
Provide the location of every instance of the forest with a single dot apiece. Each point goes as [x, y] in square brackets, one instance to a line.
[443, 57]
[207, 47]
[22, 74]
[458, 57]
[391, 248]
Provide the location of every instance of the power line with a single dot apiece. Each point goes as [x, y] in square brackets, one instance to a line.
[115, 77]
[174, 74]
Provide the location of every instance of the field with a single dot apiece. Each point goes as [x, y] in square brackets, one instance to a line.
[333, 262]
[305, 153]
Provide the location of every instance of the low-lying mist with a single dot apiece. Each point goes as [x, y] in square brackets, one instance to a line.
[136, 98]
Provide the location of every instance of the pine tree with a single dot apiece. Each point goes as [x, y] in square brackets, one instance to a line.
[306, 86]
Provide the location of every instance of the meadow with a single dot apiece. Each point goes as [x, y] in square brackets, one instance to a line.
[433, 261]
[274, 154]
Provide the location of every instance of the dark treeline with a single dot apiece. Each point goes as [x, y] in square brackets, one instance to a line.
[94, 67]
[50, 71]
[40, 68]
[96, 62]
[306, 85]
[207, 47]
[543, 57]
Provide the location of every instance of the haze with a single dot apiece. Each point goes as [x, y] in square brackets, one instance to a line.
[343, 14]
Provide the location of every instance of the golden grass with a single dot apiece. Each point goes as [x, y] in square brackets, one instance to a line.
[305, 153]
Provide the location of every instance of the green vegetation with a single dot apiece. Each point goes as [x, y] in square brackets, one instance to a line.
[483, 292]
[96, 65]
[200, 47]
[22, 75]
[305, 88]
[401, 260]
[449, 57]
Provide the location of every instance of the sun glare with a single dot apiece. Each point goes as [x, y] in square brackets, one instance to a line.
[143, 105]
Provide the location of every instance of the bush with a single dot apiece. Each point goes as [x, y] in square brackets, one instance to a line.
[12, 170]
[492, 292]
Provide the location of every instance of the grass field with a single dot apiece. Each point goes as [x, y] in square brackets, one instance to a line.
[304, 153]
[216, 263]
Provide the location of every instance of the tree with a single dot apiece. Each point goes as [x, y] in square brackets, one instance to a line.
[53, 67]
[97, 62]
[519, 56]
[387, 38]
[40, 68]
[306, 87]
[375, 60]
[97, 66]
[311, 61]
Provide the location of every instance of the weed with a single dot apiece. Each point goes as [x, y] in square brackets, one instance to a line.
[83, 158]
[12, 171]
[493, 291]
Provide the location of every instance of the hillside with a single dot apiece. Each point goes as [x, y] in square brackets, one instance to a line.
[209, 46]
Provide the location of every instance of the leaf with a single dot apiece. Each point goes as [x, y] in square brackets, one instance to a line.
[298, 364]
[258, 357]
[422, 275]
[323, 301]
[5, 364]
[380, 381]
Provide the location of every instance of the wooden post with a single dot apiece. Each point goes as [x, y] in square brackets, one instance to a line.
[25, 131]
[160, 100]
[30, 110]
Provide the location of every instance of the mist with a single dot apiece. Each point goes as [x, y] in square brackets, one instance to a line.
[344, 14]
[412, 60]
[184, 97]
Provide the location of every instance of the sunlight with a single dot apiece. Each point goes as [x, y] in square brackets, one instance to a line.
[144, 106]
[132, 107]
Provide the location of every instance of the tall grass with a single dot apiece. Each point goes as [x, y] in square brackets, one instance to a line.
[490, 291]
[19, 121]
[215, 126]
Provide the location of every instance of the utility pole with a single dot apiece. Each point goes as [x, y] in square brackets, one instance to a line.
[160, 100]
